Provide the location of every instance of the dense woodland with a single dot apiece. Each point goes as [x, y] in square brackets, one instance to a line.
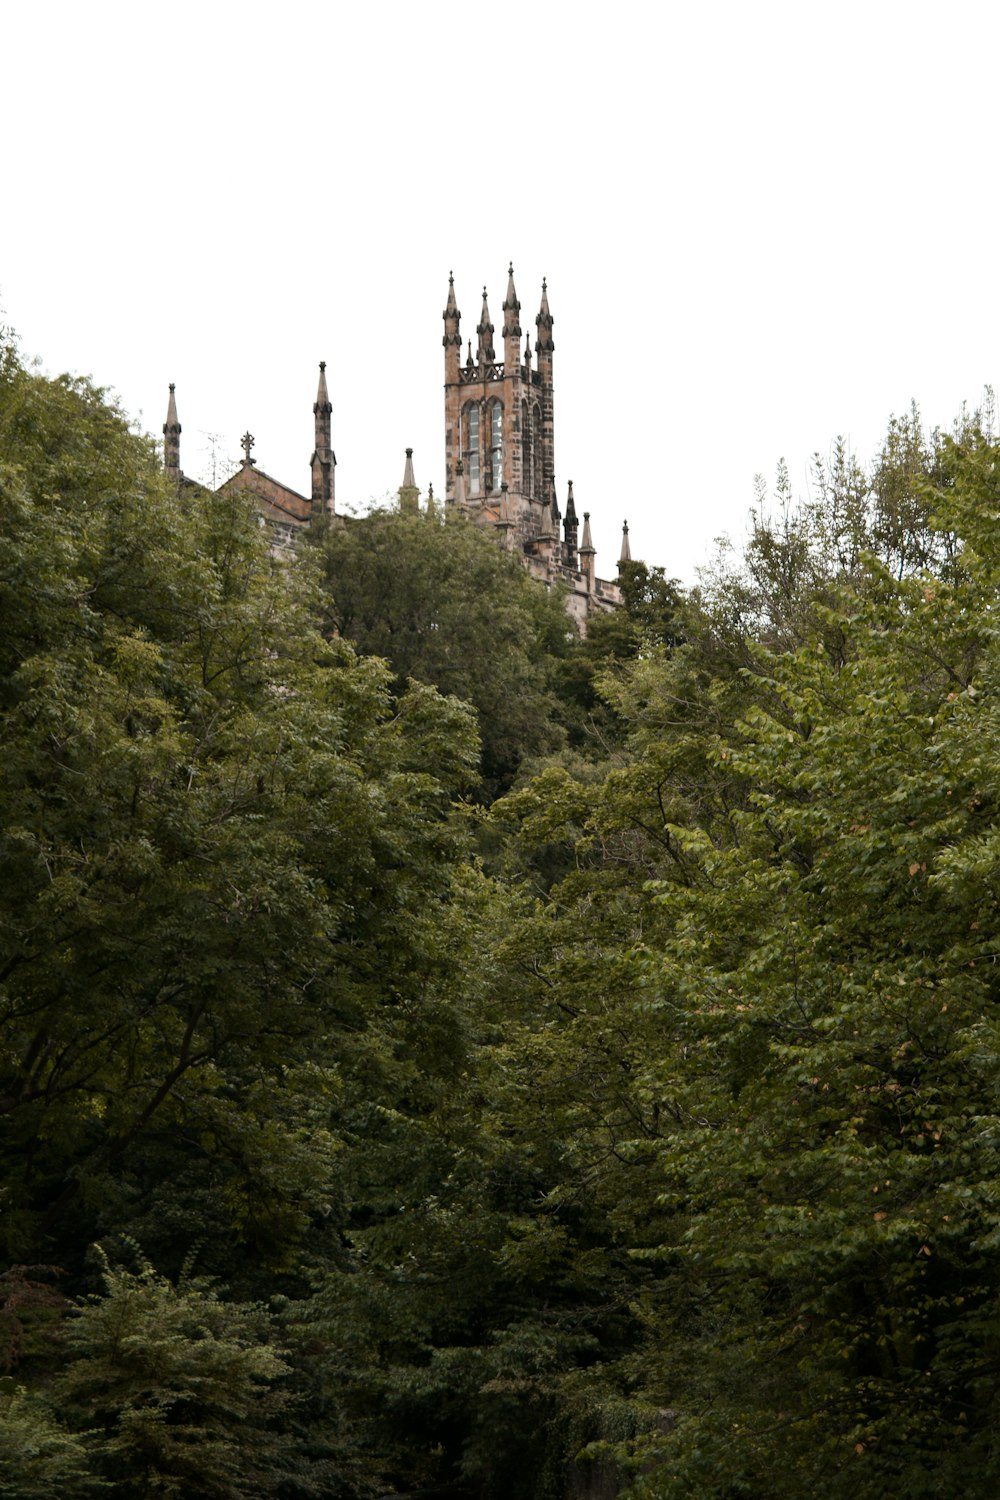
[441, 1056]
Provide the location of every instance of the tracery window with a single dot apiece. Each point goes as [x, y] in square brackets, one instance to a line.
[472, 464]
[526, 474]
[538, 477]
[496, 445]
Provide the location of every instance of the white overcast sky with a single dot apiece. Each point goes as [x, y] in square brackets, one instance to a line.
[762, 225]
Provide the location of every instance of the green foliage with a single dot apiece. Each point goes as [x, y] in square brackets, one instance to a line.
[183, 1388]
[825, 1071]
[39, 1458]
[443, 604]
[661, 1146]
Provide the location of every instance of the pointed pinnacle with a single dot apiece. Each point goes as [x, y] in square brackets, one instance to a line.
[322, 394]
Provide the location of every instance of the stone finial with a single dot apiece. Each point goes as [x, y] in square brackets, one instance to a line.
[587, 544]
[626, 553]
[246, 443]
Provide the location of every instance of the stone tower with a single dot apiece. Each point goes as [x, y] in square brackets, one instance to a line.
[499, 417]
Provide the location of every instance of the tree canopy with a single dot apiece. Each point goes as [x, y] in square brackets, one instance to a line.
[439, 1055]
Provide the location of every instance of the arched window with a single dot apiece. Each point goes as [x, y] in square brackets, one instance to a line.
[538, 468]
[472, 465]
[496, 445]
[526, 475]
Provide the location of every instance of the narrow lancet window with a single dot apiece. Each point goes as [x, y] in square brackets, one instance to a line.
[472, 451]
[496, 444]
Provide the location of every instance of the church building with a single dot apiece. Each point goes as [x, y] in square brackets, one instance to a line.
[499, 459]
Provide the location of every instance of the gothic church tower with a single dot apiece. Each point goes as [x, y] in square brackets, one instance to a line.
[499, 418]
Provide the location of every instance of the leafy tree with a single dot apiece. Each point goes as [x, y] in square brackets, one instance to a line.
[442, 603]
[825, 1076]
[225, 848]
[39, 1458]
[182, 1388]
[650, 619]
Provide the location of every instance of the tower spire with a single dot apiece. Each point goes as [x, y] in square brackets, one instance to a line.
[511, 322]
[485, 331]
[548, 537]
[543, 322]
[626, 553]
[544, 347]
[452, 339]
[324, 460]
[570, 529]
[409, 495]
[172, 441]
[587, 550]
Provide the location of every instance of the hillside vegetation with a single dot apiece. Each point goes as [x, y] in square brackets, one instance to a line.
[441, 1056]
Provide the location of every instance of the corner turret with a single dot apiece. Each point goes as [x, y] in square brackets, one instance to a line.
[543, 323]
[452, 339]
[511, 323]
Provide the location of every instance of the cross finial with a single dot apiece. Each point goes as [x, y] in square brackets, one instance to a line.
[246, 443]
